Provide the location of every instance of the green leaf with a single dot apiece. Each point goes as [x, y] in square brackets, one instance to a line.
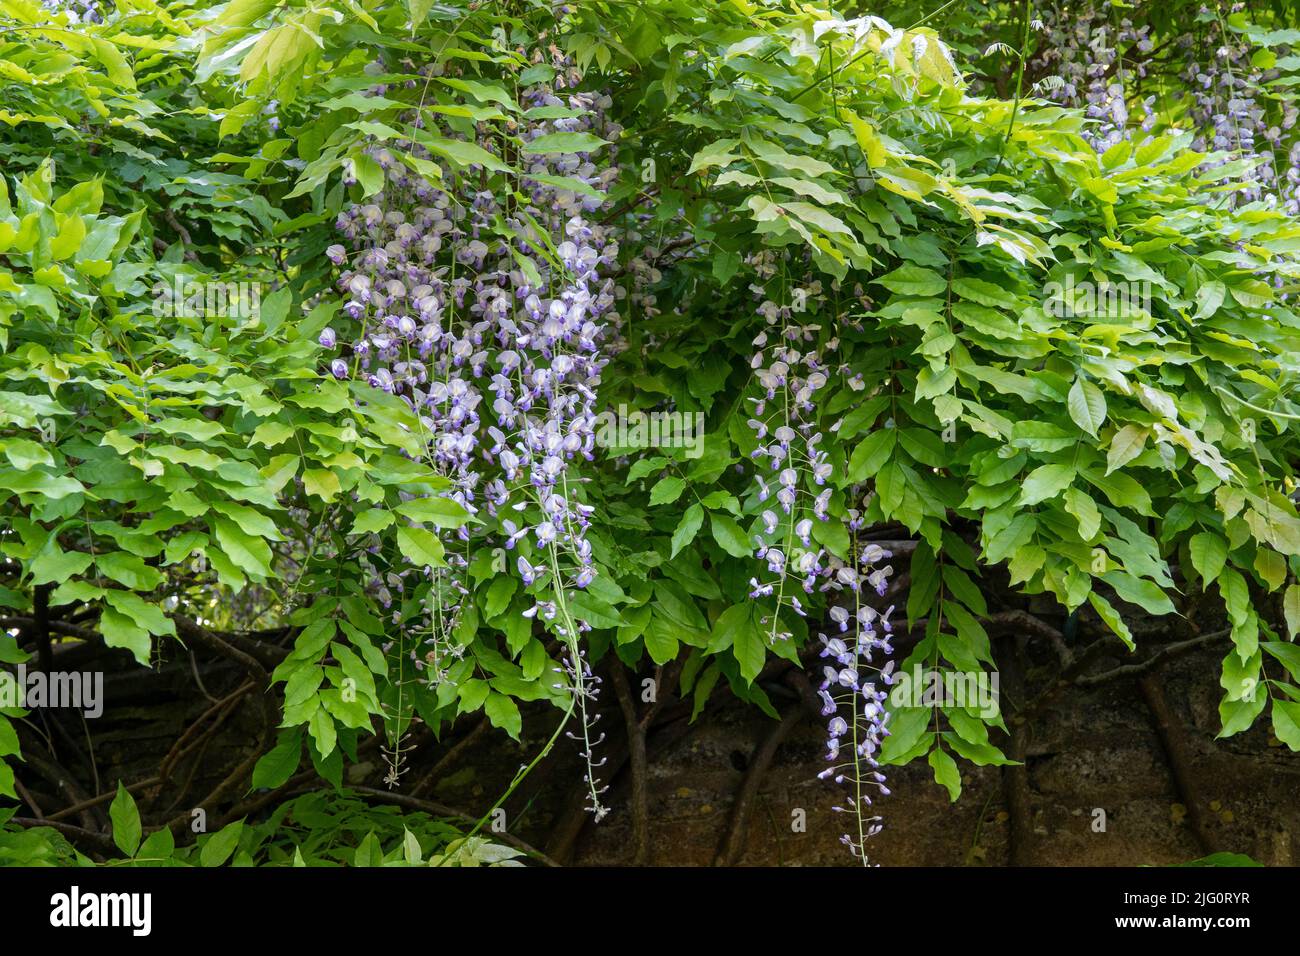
[1087, 406]
[1126, 445]
[1209, 297]
[250, 521]
[644, 466]
[1222, 859]
[250, 553]
[437, 511]
[1080, 504]
[1146, 594]
[980, 754]
[322, 730]
[1044, 482]
[53, 564]
[661, 641]
[10, 652]
[729, 535]
[594, 610]
[218, 847]
[499, 593]
[421, 547]
[504, 713]
[126, 821]
[8, 738]
[472, 693]
[1288, 654]
[946, 772]
[717, 153]
[687, 528]
[1238, 715]
[271, 434]
[723, 634]
[873, 150]
[1112, 618]
[564, 143]
[25, 454]
[375, 519]
[1286, 722]
[322, 483]
[411, 852]
[115, 64]
[200, 429]
[914, 280]
[1209, 553]
[749, 644]
[985, 293]
[119, 630]
[870, 454]
[146, 615]
[159, 845]
[54, 487]
[369, 174]
[278, 764]
[1236, 595]
[69, 238]
[907, 733]
[274, 309]
[1291, 610]
[129, 570]
[666, 490]
[462, 153]
[1017, 533]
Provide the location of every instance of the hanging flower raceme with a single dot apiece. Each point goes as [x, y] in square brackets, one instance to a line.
[77, 11]
[794, 483]
[486, 311]
[792, 467]
[395, 287]
[1226, 109]
[1081, 48]
[546, 370]
[856, 672]
[1095, 55]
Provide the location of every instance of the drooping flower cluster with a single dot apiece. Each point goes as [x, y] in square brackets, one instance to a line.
[855, 674]
[793, 468]
[1081, 45]
[78, 11]
[794, 480]
[1226, 106]
[396, 290]
[1095, 58]
[485, 310]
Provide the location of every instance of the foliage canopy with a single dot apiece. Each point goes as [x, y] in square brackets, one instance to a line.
[922, 238]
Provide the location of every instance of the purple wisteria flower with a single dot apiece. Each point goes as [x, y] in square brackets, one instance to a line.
[496, 347]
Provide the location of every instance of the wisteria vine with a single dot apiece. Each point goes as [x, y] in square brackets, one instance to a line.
[486, 312]
[790, 370]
